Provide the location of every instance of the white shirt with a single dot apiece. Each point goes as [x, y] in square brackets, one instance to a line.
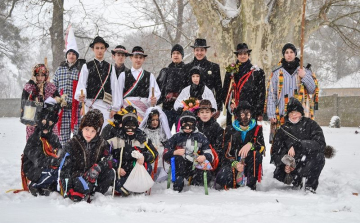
[135, 73]
[185, 94]
[82, 85]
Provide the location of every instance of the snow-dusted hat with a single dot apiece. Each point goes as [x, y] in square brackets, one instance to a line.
[179, 48]
[200, 43]
[138, 50]
[294, 105]
[93, 118]
[70, 43]
[242, 47]
[289, 46]
[99, 39]
[120, 49]
[205, 104]
[243, 105]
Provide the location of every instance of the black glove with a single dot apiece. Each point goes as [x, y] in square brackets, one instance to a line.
[92, 174]
[55, 162]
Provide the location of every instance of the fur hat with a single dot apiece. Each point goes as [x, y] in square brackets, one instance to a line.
[289, 46]
[243, 105]
[200, 43]
[179, 48]
[99, 39]
[294, 105]
[242, 47]
[138, 50]
[120, 49]
[205, 104]
[93, 118]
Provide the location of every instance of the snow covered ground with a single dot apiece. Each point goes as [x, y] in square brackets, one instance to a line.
[272, 202]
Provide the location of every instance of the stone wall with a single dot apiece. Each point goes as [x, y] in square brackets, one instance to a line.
[346, 107]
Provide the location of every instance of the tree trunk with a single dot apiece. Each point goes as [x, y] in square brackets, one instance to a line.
[57, 33]
[265, 28]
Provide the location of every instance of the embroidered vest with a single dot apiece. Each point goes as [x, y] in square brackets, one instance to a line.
[94, 83]
[142, 87]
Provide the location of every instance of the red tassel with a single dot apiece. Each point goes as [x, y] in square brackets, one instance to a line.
[259, 173]
[74, 108]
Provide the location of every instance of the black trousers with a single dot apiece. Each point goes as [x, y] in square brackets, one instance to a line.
[310, 168]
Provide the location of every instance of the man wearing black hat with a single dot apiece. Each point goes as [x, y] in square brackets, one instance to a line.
[302, 139]
[137, 86]
[287, 80]
[99, 83]
[119, 55]
[171, 82]
[244, 81]
[212, 76]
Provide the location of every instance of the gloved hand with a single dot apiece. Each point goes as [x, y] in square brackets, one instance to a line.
[55, 162]
[92, 174]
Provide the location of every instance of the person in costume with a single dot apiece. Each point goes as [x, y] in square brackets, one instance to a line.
[171, 82]
[244, 82]
[38, 88]
[197, 90]
[288, 80]
[211, 72]
[131, 139]
[98, 83]
[43, 152]
[137, 86]
[243, 150]
[87, 167]
[302, 139]
[119, 55]
[65, 79]
[156, 127]
[186, 148]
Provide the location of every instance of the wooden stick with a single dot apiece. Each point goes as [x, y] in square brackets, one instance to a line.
[152, 94]
[82, 103]
[302, 35]
[46, 62]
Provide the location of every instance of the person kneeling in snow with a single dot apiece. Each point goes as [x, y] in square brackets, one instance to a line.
[114, 128]
[300, 140]
[186, 148]
[88, 163]
[43, 152]
[243, 148]
[131, 139]
[156, 127]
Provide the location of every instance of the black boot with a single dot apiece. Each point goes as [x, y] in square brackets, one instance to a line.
[178, 184]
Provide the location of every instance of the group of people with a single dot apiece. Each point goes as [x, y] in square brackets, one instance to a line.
[121, 118]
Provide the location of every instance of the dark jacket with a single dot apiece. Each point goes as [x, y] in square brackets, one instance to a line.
[233, 142]
[35, 160]
[128, 145]
[253, 89]
[179, 141]
[213, 132]
[110, 131]
[31, 88]
[307, 131]
[171, 82]
[83, 155]
[211, 76]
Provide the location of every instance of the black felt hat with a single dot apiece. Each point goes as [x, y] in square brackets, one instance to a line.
[99, 39]
[138, 50]
[242, 47]
[200, 43]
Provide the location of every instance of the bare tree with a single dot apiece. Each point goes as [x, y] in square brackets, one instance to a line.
[267, 25]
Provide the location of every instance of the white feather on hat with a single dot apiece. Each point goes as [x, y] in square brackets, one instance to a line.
[70, 41]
